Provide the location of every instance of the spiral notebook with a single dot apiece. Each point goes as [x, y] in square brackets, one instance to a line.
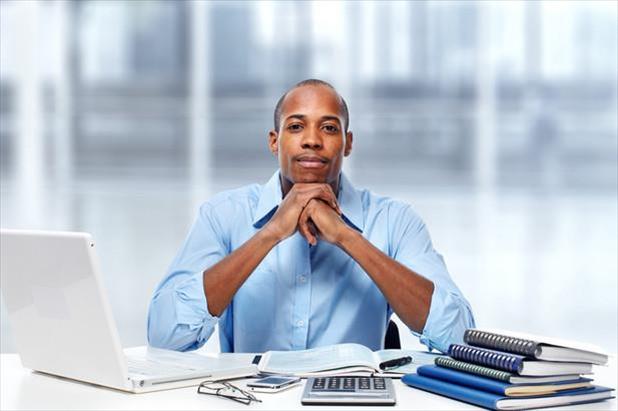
[541, 348]
[499, 375]
[499, 387]
[515, 363]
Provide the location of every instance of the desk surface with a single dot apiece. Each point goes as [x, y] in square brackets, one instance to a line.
[24, 389]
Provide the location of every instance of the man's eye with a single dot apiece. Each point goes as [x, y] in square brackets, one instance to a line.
[295, 127]
[331, 129]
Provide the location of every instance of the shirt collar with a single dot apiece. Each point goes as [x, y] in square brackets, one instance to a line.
[349, 200]
[268, 202]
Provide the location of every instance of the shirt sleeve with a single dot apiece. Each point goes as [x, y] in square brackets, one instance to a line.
[178, 316]
[449, 314]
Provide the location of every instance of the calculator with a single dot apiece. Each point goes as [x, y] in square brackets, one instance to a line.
[348, 390]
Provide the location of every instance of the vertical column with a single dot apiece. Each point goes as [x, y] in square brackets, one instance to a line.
[29, 150]
[64, 113]
[485, 144]
[200, 115]
[533, 41]
[346, 77]
[485, 147]
[419, 33]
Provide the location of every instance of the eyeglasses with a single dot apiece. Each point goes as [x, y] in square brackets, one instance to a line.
[226, 390]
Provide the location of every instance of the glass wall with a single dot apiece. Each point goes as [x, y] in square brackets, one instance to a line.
[497, 120]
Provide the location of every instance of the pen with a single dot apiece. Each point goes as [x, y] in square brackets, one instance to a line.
[395, 363]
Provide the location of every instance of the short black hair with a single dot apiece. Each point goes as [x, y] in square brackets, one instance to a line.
[343, 107]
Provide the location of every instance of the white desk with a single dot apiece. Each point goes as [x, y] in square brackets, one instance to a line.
[23, 389]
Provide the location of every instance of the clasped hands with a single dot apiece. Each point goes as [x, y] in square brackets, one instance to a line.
[312, 209]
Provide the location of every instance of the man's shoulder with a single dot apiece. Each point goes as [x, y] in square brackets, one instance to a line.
[379, 206]
[245, 196]
[382, 202]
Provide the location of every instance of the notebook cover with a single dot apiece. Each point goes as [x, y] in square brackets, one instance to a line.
[481, 383]
[471, 368]
[486, 399]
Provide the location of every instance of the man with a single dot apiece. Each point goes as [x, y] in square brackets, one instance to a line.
[306, 260]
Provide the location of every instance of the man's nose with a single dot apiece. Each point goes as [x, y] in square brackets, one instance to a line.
[311, 139]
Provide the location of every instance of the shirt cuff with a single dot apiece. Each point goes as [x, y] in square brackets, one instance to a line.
[191, 305]
[447, 320]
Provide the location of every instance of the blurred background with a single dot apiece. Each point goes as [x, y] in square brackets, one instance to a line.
[496, 120]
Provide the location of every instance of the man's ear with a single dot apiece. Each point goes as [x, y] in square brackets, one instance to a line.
[273, 142]
[348, 144]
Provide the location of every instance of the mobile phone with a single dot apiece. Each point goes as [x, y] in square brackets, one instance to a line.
[273, 384]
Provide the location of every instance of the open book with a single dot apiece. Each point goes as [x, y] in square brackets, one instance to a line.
[346, 359]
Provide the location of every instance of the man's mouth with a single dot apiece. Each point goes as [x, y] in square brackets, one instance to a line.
[311, 161]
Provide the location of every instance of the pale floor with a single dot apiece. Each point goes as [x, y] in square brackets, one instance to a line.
[543, 263]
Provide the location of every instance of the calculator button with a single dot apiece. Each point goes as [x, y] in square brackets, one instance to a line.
[379, 384]
[334, 383]
[348, 384]
[363, 383]
[319, 384]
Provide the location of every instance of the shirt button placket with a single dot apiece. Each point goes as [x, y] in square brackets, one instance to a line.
[303, 294]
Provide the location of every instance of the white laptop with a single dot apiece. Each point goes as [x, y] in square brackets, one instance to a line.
[62, 323]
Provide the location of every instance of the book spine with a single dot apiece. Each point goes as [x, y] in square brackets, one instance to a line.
[492, 359]
[473, 369]
[501, 342]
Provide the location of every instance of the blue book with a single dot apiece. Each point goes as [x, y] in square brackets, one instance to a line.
[515, 363]
[499, 402]
[500, 387]
[469, 368]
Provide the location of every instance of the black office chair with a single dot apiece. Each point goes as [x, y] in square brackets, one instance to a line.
[391, 339]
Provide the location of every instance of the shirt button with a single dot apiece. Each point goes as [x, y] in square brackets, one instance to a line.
[300, 323]
[302, 279]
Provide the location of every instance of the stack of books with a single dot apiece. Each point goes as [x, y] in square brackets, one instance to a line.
[505, 370]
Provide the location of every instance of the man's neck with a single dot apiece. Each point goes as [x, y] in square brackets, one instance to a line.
[286, 185]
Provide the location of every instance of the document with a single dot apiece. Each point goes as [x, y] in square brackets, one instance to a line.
[341, 359]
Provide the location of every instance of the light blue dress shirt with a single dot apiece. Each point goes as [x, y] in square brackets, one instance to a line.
[300, 296]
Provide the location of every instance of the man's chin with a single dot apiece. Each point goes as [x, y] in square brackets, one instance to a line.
[308, 178]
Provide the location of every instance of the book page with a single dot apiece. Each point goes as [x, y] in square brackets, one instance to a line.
[317, 359]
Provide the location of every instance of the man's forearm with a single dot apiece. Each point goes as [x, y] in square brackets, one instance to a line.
[222, 280]
[406, 291]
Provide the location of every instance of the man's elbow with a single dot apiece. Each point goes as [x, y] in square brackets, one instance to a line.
[162, 331]
[448, 323]
[462, 321]
[158, 333]
[171, 338]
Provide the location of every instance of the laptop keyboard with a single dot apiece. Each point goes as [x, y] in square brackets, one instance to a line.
[143, 366]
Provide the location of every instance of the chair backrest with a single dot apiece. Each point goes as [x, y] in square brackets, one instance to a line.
[391, 340]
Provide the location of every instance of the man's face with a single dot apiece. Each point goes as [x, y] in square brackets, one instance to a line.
[311, 141]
